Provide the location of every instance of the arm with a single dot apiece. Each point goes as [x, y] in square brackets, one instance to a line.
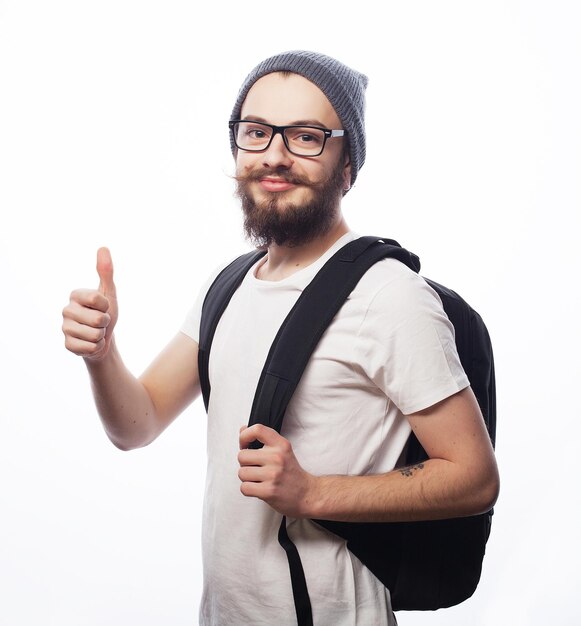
[134, 411]
[460, 478]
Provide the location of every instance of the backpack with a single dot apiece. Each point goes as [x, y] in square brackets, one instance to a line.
[425, 565]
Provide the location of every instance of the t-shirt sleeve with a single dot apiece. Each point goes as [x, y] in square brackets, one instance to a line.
[408, 345]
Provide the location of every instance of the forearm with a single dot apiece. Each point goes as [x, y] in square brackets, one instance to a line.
[434, 489]
[459, 479]
[124, 405]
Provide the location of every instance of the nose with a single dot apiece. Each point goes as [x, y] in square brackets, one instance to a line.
[277, 154]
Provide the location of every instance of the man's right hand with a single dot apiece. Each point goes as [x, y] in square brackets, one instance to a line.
[91, 314]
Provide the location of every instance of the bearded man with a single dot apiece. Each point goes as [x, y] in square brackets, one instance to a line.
[387, 365]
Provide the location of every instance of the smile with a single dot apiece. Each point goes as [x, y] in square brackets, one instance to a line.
[275, 184]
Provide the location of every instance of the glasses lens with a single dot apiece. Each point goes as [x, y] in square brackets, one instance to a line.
[305, 141]
[252, 135]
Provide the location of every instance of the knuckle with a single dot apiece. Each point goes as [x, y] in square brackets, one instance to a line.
[90, 349]
[269, 492]
[100, 345]
[278, 458]
[286, 446]
[96, 334]
[75, 295]
[102, 320]
[96, 300]
[65, 325]
[73, 346]
[95, 348]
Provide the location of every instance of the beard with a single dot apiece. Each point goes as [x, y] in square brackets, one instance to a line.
[276, 220]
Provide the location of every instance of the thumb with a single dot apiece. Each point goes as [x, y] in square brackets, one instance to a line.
[105, 271]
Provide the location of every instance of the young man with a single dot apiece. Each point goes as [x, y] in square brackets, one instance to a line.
[387, 365]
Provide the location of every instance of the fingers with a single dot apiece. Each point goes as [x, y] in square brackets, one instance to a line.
[90, 299]
[254, 489]
[252, 473]
[260, 472]
[87, 349]
[265, 463]
[105, 271]
[88, 308]
[260, 432]
[85, 323]
[84, 329]
[276, 445]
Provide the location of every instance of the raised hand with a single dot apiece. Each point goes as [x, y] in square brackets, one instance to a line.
[91, 314]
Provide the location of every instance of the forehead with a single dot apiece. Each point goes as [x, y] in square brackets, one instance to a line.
[287, 98]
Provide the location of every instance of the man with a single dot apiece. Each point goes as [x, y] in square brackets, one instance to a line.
[387, 365]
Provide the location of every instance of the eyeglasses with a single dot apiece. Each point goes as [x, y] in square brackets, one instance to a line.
[299, 140]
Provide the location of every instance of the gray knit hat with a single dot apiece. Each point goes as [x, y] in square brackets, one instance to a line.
[344, 88]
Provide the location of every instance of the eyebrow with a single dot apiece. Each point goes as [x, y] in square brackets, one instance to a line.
[308, 122]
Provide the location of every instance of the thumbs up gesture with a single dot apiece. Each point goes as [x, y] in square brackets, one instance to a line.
[91, 314]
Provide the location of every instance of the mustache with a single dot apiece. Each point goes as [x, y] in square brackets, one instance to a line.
[283, 175]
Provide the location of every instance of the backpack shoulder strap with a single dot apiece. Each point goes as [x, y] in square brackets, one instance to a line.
[217, 298]
[309, 318]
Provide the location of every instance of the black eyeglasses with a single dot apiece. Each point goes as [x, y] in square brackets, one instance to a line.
[299, 140]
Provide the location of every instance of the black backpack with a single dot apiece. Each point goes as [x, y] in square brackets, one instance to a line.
[425, 565]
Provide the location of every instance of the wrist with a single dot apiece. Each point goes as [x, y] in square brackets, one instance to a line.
[104, 365]
[106, 355]
[313, 501]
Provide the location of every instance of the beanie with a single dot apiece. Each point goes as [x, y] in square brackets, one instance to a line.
[343, 87]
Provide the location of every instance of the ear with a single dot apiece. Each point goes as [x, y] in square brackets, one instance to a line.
[347, 175]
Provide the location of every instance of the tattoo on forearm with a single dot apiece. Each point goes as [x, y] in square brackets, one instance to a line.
[409, 471]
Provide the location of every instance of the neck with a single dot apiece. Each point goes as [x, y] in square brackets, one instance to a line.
[283, 261]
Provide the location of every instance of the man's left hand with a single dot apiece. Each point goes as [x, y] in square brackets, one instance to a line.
[273, 473]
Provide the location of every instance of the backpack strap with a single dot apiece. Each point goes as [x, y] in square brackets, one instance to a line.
[306, 322]
[217, 298]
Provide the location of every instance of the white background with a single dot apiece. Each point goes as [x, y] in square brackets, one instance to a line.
[113, 132]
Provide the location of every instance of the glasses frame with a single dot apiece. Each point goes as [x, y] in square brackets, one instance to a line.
[280, 130]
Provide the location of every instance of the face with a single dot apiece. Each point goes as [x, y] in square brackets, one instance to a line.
[289, 199]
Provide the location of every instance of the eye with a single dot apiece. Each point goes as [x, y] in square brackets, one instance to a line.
[256, 133]
[307, 138]
[311, 137]
[252, 135]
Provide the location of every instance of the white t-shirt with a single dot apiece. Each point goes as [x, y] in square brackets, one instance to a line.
[390, 351]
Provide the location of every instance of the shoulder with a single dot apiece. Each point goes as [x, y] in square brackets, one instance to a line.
[389, 285]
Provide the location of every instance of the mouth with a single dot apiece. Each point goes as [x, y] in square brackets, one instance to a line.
[276, 184]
